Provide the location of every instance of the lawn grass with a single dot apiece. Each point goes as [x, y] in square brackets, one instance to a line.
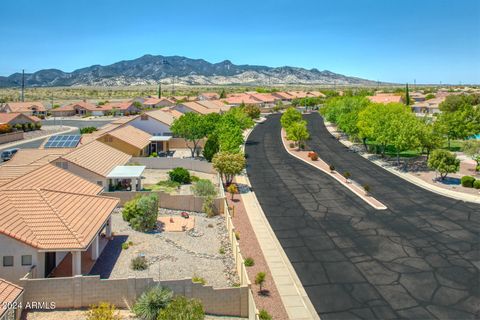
[167, 186]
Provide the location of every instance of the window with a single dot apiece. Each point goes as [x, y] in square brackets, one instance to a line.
[26, 260]
[8, 261]
[63, 165]
[100, 183]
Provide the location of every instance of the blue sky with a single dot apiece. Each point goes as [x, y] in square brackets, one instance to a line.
[386, 40]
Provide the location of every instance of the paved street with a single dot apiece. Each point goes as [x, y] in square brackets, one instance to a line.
[71, 123]
[419, 259]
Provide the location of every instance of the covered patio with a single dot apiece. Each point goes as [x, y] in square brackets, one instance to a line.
[125, 178]
[160, 144]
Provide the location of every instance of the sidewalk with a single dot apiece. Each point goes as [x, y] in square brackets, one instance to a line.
[406, 176]
[292, 293]
[16, 143]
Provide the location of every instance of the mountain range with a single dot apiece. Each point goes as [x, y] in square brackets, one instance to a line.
[150, 70]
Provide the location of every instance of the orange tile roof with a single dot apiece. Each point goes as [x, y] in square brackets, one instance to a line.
[175, 113]
[9, 293]
[209, 95]
[53, 178]
[97, 157]
[7, 117]
[131, 135]
[53, 220]
[154, 101]
[82, 104]
[117, 105]
[283, 95]
[198, 108]
[9, 172]
[264, 97]
[162, 116]
[25, 106]
[385, 98]
[37, 156]
[214, 104]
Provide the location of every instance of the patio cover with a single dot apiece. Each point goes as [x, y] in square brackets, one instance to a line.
[124, 172]
[160, 138]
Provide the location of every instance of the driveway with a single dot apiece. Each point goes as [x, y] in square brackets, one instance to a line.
[417, 260]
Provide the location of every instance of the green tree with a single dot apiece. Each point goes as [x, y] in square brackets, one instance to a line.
[237, 117]
[223, 94]
[182, 308]
[211, 147]
[290, 116]
[430, 138]
[230, 138]
[298, 132]
[407, 133]
[146, 213]
[192, 127]
[159, 90]
[344, 112]
[444, 162]
[260, 280]
[204, 188]
[407, 95]
[252, 111]
[472, 149]
[228, 165]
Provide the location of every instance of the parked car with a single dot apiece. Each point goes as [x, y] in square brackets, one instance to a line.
[8, 154]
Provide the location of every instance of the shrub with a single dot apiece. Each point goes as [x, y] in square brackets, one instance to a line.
[314, 156]
[87, 130]
[153, 155]
[102, 311]
[208, 206]
[476, 184]
[183, 309]
[232, 189]
[332, 168]
[237, 235]
[467, 181]
[310, 154]
[302, 146]
[139, 263]
[264, 315]
[180, 175]
[221, 250]
[38, 125]
[366, 188]
[151, 302]
[32, 126]
[347, 175]
[249, 262]
[260, 279]
[146, 218]
[292, 145]
[194, 178]
[444, 162]
[201, 280]
[204, 188]
[18, 127]
[130, 210]
[5, 128]
[211, 148]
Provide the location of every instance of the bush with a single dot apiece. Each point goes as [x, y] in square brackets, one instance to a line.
[366, 188]
[38, 125]
[151, 302]
[87, 130]
[180, 175]
[249, 262]
[153, 155]
[332, 168]
[467, 181]
[347, 175]
[232, 189]
[314, 156]
[291, 145]
[183, 309]
[102, 311]
[211, 148]
[130, 210]
[194, 178]
[302, 146]
[476, 184]
[204, 188]
[264, 315]
[5, 128]
[260, 279]
[146, 219]
[221, 250]
[237, 235]
[208, 206]
[199, 280]
[139, 263]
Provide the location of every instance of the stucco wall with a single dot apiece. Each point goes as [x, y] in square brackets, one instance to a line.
[80, 291]
[121, 145]
[15, 248]
[84, 173]
[12, 136]
[170, 163]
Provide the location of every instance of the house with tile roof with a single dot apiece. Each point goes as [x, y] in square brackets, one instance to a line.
[79, 108]
[385, 98]
[208, 96]
[11, 296]
[284, 96]
[129, 140]
[93, 161]
[217, 105]
[34, 108]
[16, 118]
[124, 108]
[194, 106]
[42, 230]
[158, 103]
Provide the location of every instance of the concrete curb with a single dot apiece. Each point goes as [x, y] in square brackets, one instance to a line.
[13, 144]
[298, 305]
[336, 177]
[414, 180]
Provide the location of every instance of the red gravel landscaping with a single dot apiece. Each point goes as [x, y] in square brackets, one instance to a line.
[250, 248]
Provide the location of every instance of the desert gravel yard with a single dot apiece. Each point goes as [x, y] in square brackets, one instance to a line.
[152, 176]
[202, 252]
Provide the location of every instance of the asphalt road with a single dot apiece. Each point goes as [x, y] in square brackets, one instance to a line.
[419, 259]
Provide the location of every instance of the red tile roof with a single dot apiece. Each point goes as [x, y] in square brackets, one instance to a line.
[9, 293]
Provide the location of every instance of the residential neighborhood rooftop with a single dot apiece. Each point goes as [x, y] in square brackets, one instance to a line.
[23, 214]
[9, 293]
[132, 136]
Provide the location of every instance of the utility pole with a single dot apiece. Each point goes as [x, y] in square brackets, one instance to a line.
[52, 109]
[23, 85]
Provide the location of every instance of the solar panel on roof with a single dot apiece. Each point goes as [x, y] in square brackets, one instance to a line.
[63, 141]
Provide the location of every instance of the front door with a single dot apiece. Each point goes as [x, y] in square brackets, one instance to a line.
[50, 262]
[153, 147]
